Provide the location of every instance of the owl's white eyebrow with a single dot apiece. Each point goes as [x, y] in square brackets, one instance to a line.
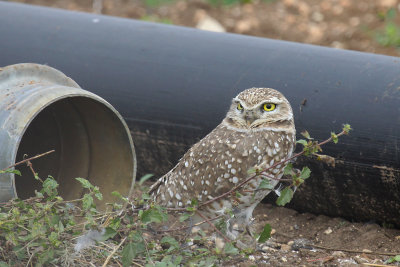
[274, 100]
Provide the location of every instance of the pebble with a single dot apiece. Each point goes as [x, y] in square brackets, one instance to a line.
[339, 254]
[266, 248]
[360, 260]
[285, 247]
[328, 231]
[207, 23]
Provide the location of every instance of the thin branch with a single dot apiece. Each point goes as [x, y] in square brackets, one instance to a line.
[29, 159]
[113, 252]
[213, 226]
[35, 175]
[187, 227]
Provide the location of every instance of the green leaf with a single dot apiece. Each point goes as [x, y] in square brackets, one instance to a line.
[153, 215]
[347, 128]
[128, 254]
[335, 138]
[174, 245]
[130, 251]
[302, 141]
[265, 234]
[45, 257]
[393, 259]
[184, 216]
[265, 184]
[109, 233]
[230, 249]
[288, 170]
[305, 173]
[87, 202]
[306, 134]
[285, 197]
[20, 252]
[85, 183]
[144, 178]
[17, 172]
[194, 202]
[251, 171]
[50, 186]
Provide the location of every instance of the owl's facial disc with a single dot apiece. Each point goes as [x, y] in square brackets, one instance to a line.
[252, 116]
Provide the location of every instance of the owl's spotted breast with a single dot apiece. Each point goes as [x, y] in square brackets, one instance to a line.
[220, 161]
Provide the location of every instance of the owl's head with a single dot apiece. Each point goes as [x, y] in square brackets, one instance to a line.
[259, 108]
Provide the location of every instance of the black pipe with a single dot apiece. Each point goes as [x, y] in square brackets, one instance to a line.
[174, 84]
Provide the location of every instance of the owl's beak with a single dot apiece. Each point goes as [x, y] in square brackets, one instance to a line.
[249, 117]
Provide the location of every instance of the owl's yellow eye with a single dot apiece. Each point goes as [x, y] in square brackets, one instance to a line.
[239, 106]
[269, 106]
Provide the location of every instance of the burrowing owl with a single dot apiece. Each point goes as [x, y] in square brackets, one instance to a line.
[257, 132]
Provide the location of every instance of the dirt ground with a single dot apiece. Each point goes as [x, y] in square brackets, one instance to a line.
[298, 239]
[304, 239]
[344, 24]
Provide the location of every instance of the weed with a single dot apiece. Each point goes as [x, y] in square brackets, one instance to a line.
[48, 230]
[390, 35]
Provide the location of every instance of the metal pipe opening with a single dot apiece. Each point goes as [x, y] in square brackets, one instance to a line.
[43, 110]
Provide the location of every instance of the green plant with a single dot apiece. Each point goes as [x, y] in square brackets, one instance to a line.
[390, 35]
[393, 259]
[46, 229]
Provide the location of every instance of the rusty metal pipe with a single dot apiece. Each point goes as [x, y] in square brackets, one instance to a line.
[41, 109]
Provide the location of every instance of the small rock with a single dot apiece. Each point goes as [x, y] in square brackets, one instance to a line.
[301, 243]
[273, 231]
[328, 231]
[367, 251]
[397, 237]
[284, 259]
[360, 260]
[285, 247]
[252, 258]
[266, 248]
[339, 254]
[207, 23]
[291, 242]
